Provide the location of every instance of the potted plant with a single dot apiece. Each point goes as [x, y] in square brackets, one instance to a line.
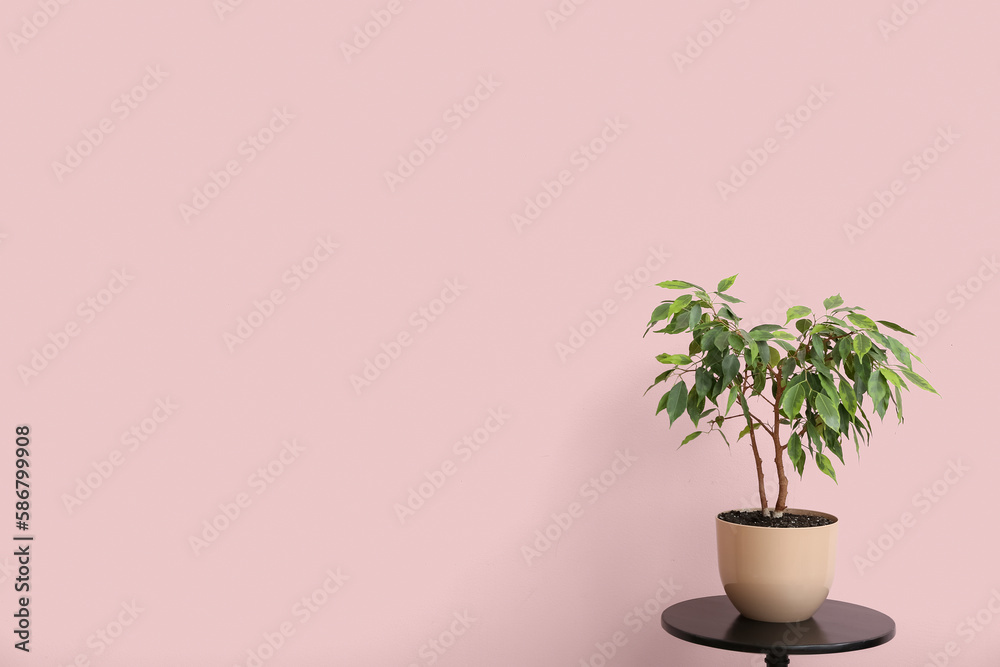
[800, 393]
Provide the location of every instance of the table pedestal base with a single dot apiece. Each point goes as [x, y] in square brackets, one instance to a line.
[773, 660]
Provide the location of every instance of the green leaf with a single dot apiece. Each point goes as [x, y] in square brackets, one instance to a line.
[862, 344]
[727, 283]
[828, 411]
[900, 351]
[896, 327]
[673, 359]
[892, 377]
[766, 327]
[847, 397]
[709, 336]
[757, 334]
[877, 388]
[785, 345]
[878, 338]
[844, 348]
[694, 315]
[676, 401]
[814, 437]
[795, 453]
[730, 367]
[726, 312]
[833, 444]
[735, 342]
[802, 325]
[703, 381]
[782, 334]
[826, 382]
[682, 302]
[862, 321]
[733, 393]
[722, 433]
[730, 299]
[833, 302]
[791, 400]
[659, 378]
[825, 466]
[899, 405]
[826, 328]
[677, 284]
[746, 430]
[695, 405]
[689, 438]
[721, 341]
[796, 312]
[744, 406]
[917, 380]
[660, 312]
[774, 357]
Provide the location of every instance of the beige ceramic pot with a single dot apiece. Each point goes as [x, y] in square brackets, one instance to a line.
[779, 575]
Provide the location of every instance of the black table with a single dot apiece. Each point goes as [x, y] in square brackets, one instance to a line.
[836, 627]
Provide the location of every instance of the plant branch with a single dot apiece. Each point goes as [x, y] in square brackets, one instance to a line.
[779, 505]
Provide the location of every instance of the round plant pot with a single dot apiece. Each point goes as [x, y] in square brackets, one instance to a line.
[778, 575]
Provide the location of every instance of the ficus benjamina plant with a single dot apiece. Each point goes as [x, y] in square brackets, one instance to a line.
[804, 388]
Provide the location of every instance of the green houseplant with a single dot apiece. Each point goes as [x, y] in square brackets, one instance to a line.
[801, 392]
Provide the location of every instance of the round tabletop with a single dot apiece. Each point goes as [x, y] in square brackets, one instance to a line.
[834, 628]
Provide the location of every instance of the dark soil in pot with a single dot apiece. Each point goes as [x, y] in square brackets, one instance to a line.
[787, 519]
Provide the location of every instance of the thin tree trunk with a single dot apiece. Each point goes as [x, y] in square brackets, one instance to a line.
[760, 470]
[779, 450]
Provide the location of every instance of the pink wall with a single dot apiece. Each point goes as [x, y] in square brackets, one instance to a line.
[172, 169]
